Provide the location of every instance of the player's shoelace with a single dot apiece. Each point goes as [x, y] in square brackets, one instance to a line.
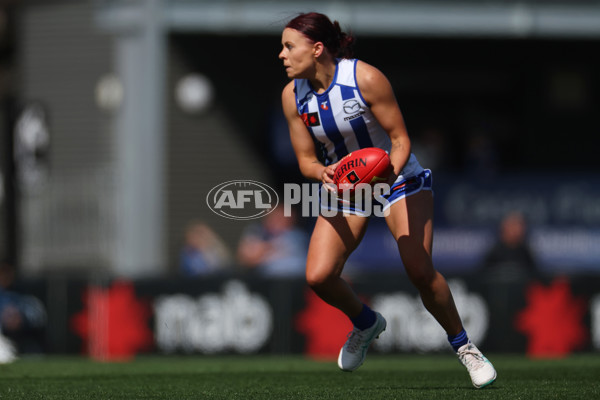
[355, 340]
[472, 359]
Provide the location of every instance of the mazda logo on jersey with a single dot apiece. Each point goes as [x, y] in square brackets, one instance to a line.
[311, 119]
[351, 106]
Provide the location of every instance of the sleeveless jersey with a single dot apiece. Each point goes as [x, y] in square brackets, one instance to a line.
[339, 119]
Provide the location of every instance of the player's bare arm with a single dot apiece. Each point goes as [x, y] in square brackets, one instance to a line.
[379, 95]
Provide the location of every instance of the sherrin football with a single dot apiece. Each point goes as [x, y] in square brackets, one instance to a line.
[370, 165]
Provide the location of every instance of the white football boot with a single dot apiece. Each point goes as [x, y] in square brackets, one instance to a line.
[8, 352]
[354, 351]
[481, 370]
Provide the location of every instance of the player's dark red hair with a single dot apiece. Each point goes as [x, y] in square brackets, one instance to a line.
[319, 28]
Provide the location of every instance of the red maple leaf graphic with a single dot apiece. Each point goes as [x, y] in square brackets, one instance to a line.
[553, 320]
[324, 326]
[114, 323]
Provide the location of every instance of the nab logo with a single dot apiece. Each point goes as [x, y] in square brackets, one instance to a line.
[242, 199]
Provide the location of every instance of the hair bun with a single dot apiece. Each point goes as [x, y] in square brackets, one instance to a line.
[345, 42]
[319, 28]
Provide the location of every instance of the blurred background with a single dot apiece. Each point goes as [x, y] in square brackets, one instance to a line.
[117, 117]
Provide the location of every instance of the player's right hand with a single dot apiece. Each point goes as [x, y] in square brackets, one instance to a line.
[327, 177]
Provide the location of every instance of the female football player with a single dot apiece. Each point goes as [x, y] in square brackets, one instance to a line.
[343, 104]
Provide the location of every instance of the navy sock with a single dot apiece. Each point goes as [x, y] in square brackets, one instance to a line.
[365, 319]
[459, 340]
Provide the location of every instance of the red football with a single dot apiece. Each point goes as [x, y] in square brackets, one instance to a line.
[370, 165]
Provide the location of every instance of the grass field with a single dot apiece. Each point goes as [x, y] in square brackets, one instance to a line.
[293, 377]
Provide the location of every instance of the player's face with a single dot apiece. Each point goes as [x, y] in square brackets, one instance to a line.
[298, 54]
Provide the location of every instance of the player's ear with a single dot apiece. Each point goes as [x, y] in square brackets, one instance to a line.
[318, 49]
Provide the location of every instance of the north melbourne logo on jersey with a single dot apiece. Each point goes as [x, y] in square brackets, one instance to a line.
[311, 119]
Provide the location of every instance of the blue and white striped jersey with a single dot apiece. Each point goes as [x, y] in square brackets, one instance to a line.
[339, 118]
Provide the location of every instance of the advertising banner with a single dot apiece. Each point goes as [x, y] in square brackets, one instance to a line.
[115, 320]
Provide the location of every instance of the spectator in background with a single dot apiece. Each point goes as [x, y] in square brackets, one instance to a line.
[275, 247]
[22, 318]
[511, 258]
[204, 251]
[507, 269]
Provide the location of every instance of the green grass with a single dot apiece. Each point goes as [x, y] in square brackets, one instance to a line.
[293, 377]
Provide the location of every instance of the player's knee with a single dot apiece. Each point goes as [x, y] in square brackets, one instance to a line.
[317, 279]
[422, 278]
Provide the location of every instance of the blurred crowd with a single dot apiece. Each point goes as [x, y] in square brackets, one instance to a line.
[276, 246]
[273, 246]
